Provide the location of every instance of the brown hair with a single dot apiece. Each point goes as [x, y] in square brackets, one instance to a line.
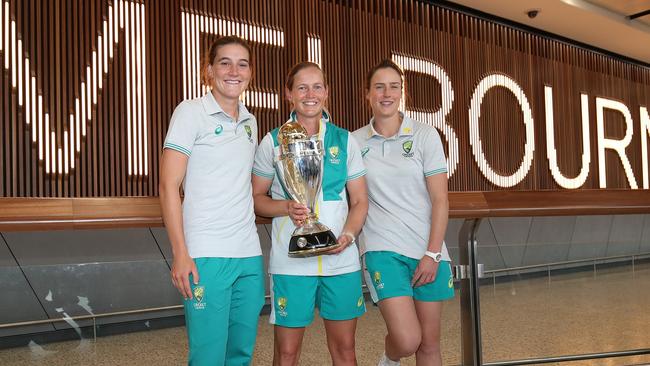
[297, 68]
[384, 64]
[209, 57]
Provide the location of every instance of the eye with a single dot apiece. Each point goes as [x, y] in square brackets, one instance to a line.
[243, 65]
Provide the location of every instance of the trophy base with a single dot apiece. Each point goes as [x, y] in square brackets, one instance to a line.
[308, 245]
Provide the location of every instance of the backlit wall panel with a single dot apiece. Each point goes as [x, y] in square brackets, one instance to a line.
[88, 87]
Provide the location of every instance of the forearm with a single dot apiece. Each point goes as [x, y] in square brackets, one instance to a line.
[268, 207]
[439, 219]
[172, 213]
[356, 217]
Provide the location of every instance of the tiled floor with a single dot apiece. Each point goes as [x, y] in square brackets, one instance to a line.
[570, 314]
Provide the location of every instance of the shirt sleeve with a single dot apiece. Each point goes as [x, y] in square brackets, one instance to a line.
[433, 154]
[263, 164]
[356, 168]
[183, 130]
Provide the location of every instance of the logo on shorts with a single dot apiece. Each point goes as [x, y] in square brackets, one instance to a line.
[451, 282]
[407, 146]
[249, 132]
[360, 301]
[364, 151]
[282, 306]
[334, 154]
[199, 294]
[218, 130]
[376, 277]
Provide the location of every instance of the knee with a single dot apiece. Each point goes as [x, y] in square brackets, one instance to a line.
[406, 343]
[429, 347]
[343, 349]
[286, 355]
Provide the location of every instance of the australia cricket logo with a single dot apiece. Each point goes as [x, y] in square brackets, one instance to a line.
[377, 278]
[199, 295]
[282, 306]
[334, 154]
[249, 132]
[407, 146]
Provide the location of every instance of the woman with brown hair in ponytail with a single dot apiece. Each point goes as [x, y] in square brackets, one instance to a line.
[217, 265]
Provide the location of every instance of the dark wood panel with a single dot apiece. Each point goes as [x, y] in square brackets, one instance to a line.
[59, 38]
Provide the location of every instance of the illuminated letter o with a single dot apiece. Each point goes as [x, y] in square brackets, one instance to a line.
[482, 88]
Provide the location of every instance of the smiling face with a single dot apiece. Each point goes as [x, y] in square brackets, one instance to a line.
[230, 72]
[384, 93]
[308, 93]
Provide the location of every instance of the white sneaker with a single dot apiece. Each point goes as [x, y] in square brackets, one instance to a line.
[385, 361]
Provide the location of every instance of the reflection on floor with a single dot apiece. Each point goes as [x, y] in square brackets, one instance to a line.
[570, 314]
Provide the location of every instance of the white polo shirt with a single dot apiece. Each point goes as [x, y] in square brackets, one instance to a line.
[342, 163]
[218, 216]
[399, 211]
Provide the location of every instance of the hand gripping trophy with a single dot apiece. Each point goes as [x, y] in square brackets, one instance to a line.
[300, 168]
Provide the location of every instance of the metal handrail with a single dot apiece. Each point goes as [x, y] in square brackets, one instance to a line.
[95, 316]
[91, 316]
[586, 356]
[553, 264]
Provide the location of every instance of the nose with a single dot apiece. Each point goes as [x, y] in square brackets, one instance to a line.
[232, 69]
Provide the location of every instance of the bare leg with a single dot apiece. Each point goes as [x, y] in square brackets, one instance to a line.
[404, 334]
[287, 343]
[429, 352]
[340, 341]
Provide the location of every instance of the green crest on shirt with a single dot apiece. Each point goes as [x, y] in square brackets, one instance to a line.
[334, 152]
[407, 146]
[249, 132]
[218, 130]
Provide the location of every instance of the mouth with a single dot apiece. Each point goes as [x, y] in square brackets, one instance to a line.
[386, 103]
[310, 104]
[232, 82]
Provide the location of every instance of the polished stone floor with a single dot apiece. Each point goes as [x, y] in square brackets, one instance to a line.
[573, 313]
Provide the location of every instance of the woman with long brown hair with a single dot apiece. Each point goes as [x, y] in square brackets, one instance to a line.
[408, 270]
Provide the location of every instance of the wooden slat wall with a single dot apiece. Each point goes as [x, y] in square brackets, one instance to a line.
[59, 38]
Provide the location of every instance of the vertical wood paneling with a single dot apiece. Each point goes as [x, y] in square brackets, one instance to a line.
[69, 48]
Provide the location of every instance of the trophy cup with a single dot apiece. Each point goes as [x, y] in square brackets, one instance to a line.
[299, 167]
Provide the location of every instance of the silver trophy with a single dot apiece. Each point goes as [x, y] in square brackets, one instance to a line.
[300, 168]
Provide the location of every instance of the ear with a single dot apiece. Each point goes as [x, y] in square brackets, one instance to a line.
[209, 72]
[287, 95]
[368, 95]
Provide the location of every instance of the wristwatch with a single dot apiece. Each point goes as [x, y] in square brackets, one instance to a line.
[437, 257]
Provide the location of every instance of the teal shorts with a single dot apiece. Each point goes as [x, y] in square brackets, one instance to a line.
[293, 298]
[389, 274]
[221, 318]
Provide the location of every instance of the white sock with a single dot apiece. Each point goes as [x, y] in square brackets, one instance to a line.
[385, 361]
